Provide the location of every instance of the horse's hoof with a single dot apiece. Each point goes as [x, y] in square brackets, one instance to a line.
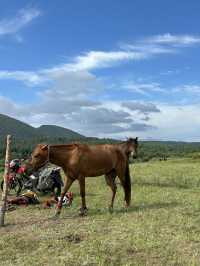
[57, 214]
[110, 209]
[82, 214]
[83, 211]
[126, 207]
[56, 217]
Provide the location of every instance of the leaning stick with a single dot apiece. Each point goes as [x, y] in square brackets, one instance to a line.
[5, 186]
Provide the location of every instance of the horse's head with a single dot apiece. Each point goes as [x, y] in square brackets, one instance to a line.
[132, 146]
[40, 156]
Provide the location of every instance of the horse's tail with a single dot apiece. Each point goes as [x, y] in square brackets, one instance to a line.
[127, 185]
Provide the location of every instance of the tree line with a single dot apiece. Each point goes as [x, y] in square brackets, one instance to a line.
[147, 149]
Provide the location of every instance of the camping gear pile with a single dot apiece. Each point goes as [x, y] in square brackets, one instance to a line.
[46, 180]
[27, 198]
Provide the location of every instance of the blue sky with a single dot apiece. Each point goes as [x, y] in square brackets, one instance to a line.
[103, 68]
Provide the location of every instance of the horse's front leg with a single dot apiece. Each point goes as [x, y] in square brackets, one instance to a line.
[67, 185]
[83, 210]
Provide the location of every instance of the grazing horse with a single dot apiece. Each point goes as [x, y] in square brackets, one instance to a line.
[80, 160]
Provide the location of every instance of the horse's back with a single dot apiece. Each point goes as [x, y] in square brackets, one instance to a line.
[95, 159]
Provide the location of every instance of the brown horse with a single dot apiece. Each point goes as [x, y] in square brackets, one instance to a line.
[80, 160]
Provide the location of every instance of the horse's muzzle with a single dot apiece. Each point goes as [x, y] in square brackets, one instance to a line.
[133, 155]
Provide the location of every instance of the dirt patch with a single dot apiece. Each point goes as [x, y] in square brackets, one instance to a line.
[71, 238]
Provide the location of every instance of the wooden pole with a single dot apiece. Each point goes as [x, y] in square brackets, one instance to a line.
[5, 186]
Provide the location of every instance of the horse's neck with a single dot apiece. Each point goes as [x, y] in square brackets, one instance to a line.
[123, 146]
[58, 155]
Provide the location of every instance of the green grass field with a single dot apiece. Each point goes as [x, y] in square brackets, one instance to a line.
[160, 228]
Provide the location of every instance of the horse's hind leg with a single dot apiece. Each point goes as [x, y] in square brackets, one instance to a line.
[67, 185]
[83, 209]
[110, 180]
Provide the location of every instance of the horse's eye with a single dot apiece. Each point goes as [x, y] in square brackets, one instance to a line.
[36, 156]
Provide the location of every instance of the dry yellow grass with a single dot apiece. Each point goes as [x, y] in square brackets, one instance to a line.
[160, 228]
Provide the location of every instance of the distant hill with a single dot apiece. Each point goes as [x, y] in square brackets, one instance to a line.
[21, 130]
[16, 128]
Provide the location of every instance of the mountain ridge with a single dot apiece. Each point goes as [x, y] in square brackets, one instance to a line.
[22, 130]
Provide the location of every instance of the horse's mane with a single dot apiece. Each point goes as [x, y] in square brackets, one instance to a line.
[128, 140]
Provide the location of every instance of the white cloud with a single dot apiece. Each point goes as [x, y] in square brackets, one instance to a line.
[70, 92]
[191, 89]
[101, 59]
[29, 77]
[146, 89]
[15, 24]
[142, 88]
[175, 122]
[71, 97]
[105, 122]
[83, 63]
[171, 72]
[73, 102]
[80, 64]
[142, 107]
[106, 59]
[94, 60]
[147, 48]
[176, 40]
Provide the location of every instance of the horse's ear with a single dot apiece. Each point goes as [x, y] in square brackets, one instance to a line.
[44, 147]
